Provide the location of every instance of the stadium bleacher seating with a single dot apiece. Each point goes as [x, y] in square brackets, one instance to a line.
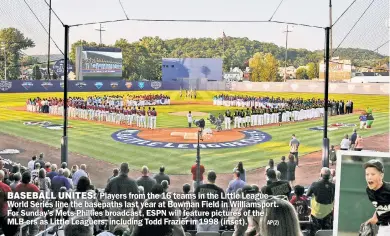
[306, 226]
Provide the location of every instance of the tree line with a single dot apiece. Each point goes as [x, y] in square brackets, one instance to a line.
[142, 59]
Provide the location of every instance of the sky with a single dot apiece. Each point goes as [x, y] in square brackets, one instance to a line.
[15, 13]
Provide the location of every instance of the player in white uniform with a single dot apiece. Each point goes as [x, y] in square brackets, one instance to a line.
[149, 119]
[133, 113]
[228, 120]
[143, 118]
[153, 119]
[237, 119]
[253, 117]
[266, 117]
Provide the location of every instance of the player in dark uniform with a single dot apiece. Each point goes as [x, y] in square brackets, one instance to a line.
[253, 116]
[237, 120]
[242, 118]
[228, 120]
[247, 117]
[378, 193]
[280, 116]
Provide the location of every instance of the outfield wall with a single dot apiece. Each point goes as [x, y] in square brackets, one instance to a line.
[22, 86]
[312, 87]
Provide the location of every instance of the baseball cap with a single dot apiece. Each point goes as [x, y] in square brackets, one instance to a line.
[376, 164]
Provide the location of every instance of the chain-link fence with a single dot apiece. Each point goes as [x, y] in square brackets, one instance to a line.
[24, 40]
[360, 42]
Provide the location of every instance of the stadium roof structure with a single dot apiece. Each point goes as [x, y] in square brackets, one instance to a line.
[356, 23]
[124, 10]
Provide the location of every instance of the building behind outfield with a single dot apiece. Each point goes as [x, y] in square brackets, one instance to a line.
[189, 72]
[339, 70]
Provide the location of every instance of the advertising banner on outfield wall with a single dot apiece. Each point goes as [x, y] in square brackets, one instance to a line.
[21, 86]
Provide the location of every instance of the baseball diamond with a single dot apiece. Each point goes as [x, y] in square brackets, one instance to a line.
[98, 138]
[148, 118]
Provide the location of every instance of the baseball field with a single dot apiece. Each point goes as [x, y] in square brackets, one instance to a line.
[95, 140]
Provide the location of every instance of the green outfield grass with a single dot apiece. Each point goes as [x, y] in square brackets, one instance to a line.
[94, 140]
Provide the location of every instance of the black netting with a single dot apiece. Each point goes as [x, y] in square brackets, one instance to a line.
[361, 35]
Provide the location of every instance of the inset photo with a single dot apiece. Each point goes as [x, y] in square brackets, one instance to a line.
[362, 205]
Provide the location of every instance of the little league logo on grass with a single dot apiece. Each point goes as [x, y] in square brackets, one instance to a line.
[321, 128]
[55, 127]
[45, 124]
[341, 125]
[333, 127]
[37, 123]
[5, 85]
[252, 137]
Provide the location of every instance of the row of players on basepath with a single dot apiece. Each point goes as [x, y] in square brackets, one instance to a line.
[119, 115]
[148, 118]
[263, 116]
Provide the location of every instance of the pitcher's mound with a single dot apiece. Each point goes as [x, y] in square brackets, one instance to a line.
[189, 135]
[185, 113]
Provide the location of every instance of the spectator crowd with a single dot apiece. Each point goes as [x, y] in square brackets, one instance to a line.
[303, 211]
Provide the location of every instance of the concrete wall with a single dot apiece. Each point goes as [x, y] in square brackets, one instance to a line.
[312, 87]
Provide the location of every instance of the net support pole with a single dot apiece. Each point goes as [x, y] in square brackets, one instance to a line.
[198, 161]
[48, 45]
[64, 141]
[325, 141]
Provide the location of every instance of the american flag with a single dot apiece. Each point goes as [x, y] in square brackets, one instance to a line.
[224, 35]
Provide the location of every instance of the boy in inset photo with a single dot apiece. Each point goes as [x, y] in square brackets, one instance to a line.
[378, 193]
